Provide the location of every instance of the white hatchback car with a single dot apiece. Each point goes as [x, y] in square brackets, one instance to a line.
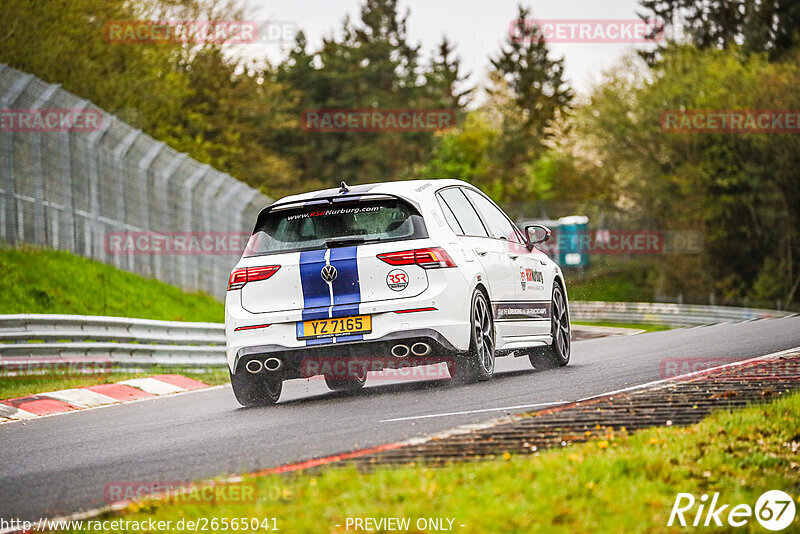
[355, 279]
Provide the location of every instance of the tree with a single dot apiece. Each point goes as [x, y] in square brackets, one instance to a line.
[739, 189]
[535, 80]
[769, 26]
[369, 64]
[444, 80]
[527, 93]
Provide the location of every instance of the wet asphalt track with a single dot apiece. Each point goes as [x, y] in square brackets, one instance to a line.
[61, 464]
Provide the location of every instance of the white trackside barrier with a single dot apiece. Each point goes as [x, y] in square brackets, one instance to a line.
[47, 340]
[36, 341]
[666, 313]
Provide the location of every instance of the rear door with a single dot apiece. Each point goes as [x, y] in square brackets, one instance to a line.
[491, 253]
[528, 310]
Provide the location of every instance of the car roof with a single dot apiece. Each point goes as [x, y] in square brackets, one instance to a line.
[408, 189]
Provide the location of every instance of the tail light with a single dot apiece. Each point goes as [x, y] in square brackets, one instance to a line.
[239, 277]
[427, 258]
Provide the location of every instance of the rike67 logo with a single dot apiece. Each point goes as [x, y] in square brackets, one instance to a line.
[774, 510]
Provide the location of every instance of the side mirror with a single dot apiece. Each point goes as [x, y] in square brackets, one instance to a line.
[536, 233]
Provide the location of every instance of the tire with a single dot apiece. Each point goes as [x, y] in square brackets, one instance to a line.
[260, 389]
[556, 354]
[352, 383]
[478, 363]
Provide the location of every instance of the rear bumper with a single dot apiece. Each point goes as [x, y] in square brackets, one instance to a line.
[445, 325]
[375, 353]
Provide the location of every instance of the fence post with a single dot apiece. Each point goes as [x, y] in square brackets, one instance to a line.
[212, 224]
[94, 229]
[144, 165]
[161, 195]
[120, 151]
[187, 280]
[13, 220]
[40, 233]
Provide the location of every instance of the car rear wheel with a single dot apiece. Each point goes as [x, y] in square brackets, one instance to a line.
[478, 363]
[260, 389]
[556, 354]
[353, 382]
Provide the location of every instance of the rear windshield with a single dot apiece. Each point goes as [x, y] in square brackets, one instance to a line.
[326, 225]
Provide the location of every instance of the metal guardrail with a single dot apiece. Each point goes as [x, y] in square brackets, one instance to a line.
[36, 341]
[666, 313]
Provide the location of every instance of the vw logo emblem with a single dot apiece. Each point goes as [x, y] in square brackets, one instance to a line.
[329, 273]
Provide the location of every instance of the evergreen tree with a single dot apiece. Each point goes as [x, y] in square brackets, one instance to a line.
[770, 26]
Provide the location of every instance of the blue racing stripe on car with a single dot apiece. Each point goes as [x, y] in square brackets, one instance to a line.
[346, 289]
[316, 293]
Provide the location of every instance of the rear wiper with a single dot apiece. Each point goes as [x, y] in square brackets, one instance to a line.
[343, 241]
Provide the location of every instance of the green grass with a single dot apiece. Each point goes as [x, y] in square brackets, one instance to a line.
[621, 483]
[20, 386]
[614, 281]
[49, 281]
[637, 326]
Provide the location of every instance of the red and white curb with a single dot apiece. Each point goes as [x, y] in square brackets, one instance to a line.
[68, 400]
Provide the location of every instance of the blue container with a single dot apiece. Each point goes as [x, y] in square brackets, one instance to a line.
[568, 241]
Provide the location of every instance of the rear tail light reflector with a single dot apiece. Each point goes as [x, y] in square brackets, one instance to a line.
[427, 258]
[239, 277]
[416, 310]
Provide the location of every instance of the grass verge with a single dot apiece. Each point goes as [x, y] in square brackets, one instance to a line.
[50, 281]
[621, 483]
[20, 386]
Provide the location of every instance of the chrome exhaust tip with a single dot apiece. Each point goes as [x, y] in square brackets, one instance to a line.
[420, 349]
[400, 351]
[254, 366]
[272, 364]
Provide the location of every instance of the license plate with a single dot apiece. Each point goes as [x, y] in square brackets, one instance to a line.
[361, 324]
